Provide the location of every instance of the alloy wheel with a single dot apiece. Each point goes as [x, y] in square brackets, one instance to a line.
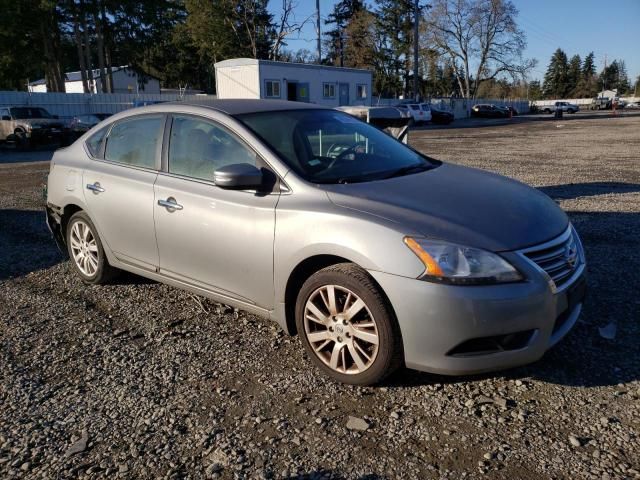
[84, 248]
[341, 329]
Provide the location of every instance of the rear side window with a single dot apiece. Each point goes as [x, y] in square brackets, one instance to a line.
[198, 147]
[94, 143]
[135, 141]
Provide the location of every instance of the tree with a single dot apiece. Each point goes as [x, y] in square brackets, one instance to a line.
[574, 74]
[395, 25]
[480, 38]
[556, 80]
[342, 14]
[614, 77]
[589, 66]
[286, 26]
[535, 90]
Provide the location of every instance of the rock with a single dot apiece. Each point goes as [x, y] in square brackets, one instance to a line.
[355, 423]
[395, 415]
[573, 440]
[79, 446]
[25, 466]
[218, 456]
[608, 332]
[501, 402]
[123, 468]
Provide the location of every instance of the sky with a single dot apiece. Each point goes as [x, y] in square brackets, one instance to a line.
[610, 28]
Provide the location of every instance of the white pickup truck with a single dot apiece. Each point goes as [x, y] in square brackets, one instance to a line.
[564, 106]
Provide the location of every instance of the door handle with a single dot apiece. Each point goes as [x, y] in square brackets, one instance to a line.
[170, 204]
[95, 187]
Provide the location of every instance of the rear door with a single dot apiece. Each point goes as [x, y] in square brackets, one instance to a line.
[119, 187]
[213, 238]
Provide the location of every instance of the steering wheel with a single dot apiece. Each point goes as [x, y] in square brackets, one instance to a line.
[343, 153]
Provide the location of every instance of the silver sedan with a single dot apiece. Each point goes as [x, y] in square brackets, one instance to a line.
[374, 254]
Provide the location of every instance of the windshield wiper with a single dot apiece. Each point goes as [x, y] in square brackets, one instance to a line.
[408, 169]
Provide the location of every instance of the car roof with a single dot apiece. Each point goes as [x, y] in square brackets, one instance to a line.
[238, 106]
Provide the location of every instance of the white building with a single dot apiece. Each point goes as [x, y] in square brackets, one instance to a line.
[125, 80]
[331, 86]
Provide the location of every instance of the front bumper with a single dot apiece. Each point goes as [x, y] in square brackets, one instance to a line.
[458, 330]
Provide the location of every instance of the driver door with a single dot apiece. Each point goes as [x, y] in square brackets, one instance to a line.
[213, 238]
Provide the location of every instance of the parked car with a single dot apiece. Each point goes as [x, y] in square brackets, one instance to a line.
[373, 253]
[487, 110]
[418, 114]
[512, 109]
[564, 106]
[600, 103]
[632, 105]
[426, 109]
[441, 115]
[81, 124]
[26, 125]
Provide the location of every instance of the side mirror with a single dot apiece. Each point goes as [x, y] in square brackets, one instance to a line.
[6, 117]
[238, 175]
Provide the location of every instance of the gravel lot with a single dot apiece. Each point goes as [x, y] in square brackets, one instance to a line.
[140, 380]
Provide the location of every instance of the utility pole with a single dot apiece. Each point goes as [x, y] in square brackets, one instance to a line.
[416, 16]
[318, 31]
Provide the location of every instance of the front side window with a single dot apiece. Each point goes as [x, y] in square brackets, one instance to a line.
[326, 146]
[329, 90]
[135, 141]
[361, 91]
[272, 88]
[198, 147]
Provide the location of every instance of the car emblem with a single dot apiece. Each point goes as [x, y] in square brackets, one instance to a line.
[571, 255]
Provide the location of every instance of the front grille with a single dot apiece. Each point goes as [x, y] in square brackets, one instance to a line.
[560, 258]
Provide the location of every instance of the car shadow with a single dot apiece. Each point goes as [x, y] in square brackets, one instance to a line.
[585, 357]
[576, 190]
[26, 244]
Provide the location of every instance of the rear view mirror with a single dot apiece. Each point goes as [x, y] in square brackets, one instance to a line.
[238, 175]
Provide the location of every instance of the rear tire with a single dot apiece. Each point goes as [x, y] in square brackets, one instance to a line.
[86, 251]
[347, 325]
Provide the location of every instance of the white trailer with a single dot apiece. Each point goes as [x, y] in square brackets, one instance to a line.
[302, 82]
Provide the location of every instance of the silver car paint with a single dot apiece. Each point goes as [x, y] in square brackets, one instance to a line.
[301, 222]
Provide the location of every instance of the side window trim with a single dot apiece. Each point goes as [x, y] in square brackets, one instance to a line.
[159, 146]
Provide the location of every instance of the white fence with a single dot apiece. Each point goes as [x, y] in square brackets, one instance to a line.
[71, 104]
[576, 101]
[461, 107]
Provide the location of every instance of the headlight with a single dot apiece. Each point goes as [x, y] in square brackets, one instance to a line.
[458, 265]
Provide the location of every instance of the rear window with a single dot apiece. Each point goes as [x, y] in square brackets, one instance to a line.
[415, 107]
[134, 141]
[94, 143]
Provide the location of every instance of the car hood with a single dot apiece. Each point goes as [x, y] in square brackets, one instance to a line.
[458, 204]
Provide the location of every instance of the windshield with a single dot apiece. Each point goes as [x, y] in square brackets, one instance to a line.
[327, 146]
[29, 112]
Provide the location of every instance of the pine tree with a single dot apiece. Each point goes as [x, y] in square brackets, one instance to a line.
[341, 16]
[589, 66]
[574, 74]
[556, 79]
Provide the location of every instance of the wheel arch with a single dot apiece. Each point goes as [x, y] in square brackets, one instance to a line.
[301, 272]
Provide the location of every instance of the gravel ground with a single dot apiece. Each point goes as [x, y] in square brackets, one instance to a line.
[140, 380]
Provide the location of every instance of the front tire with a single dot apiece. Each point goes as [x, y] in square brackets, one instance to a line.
[347, 325]
[86, 251]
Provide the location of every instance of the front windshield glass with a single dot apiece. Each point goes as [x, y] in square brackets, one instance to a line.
[29, 112]
[327, 146]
